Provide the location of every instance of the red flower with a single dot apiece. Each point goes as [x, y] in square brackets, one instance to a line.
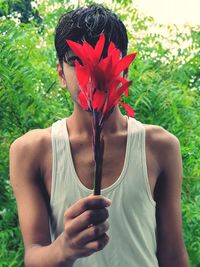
[101, 88]
[100, 83]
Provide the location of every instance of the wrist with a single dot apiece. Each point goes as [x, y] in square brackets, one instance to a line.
[63, 256]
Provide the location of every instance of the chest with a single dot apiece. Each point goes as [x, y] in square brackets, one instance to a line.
[113, 162]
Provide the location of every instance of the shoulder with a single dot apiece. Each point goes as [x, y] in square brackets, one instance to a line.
[33, 140]
[157, 135]
[163, 144]
[31, 147]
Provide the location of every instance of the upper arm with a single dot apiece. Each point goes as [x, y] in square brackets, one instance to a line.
[168, 198]
[26, 182]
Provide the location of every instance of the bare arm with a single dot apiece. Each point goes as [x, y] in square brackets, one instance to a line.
[77, 240]
[32, 209]
[171, 248]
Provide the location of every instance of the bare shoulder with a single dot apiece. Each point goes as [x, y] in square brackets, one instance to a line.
[34, 140]
[162, 143]
[31, 147]
[158, 136]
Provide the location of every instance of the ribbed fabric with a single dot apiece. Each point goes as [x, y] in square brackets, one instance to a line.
[132, 219]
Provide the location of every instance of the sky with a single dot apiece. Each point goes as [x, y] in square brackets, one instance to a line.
[171, 11]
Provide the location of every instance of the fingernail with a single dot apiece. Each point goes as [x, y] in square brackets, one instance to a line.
[108, 202]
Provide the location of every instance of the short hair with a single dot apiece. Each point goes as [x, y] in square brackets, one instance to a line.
[87, 23]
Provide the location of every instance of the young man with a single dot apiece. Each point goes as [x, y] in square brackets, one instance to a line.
[52, 171]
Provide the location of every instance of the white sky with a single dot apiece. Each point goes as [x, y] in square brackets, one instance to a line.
[171, 11]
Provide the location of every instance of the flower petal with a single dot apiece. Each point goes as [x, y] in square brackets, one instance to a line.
[123, 81]
[112, 94]
[99, 46]
[111, 48]
[98, 100]
[116, 95]
[124, 63]
[89, 52]
[83, 101]
[129, 110]
[78, 50]
[123, 88]
[83, 75]
[115, 56]
[106, 68]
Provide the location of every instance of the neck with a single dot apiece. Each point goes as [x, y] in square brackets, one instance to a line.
[81, 122]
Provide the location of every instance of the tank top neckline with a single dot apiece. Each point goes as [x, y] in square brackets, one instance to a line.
[74, 173]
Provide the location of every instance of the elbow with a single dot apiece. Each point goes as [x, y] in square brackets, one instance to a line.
[30, 257]
[27, 260]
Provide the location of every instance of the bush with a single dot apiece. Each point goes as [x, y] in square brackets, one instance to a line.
[165, 92]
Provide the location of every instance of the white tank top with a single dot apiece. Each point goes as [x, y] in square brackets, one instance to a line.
[132, 219]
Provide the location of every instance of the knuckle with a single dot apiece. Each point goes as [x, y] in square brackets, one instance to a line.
[96, 231]
[84, 204]
[100, 245]
[106, 225]
[88, 215]
[88, 253]
[105, 213]
[73, 244]
[99, 229]
[101, 202]
[67, 233]
[66, 215]
[76, 243]
[66, 228]
[102, 215]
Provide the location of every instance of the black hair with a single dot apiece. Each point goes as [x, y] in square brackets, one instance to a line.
[87, 23]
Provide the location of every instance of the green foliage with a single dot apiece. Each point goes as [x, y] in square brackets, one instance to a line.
[165, 92]
[21, 9]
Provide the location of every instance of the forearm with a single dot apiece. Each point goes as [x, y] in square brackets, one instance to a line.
[174, 261]
[46, 256]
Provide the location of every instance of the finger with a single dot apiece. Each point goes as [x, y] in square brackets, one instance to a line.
[90, 202]
[97, 245]
[87, 218]
[93, 246]
[91, 234]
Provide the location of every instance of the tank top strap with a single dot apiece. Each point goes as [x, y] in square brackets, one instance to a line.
[60, 156]
[138, 147]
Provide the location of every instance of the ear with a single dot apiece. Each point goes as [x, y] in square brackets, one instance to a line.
[61, 75]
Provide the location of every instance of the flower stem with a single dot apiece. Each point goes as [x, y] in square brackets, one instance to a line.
[98, 155]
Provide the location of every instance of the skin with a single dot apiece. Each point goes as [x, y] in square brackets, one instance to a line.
[30, 175]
